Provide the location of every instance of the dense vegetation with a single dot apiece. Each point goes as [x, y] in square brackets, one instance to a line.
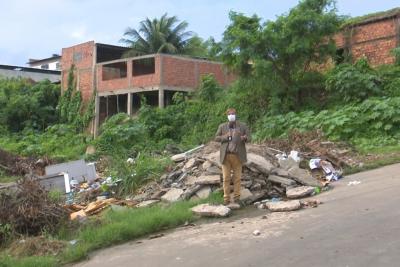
[278, 89]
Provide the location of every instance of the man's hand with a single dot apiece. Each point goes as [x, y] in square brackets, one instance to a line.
[243, 138]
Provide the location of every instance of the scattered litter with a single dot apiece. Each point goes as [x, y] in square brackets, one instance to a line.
[351, 183]
[156, 236]
[73, 242]
[256, 232]
[310, 203]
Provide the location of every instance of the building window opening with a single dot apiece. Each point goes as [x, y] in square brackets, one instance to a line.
[143, 66]
[113, 71]
[44, 66]
[111, 105]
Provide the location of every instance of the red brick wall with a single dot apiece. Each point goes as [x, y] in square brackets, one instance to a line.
[148, 79]
[178, 72]
[188, 72]
[211, 68]
[81, 56]
[374, 41]
[110, 85]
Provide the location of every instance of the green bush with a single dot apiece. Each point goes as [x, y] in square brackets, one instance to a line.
[23, 104]
[121, 134]
[373, 118]
[353, 82]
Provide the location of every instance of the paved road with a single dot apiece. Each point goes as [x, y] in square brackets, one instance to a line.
[355, 226]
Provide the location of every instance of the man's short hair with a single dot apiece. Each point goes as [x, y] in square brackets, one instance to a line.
[230, 110]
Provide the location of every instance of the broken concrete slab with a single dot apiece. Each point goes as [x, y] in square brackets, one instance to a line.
[204, 192]
[303, 177]
[208, 210]
[213, 158]
[288, 163]
[206, 165]
[260, 163]
[147, 203]
[298, 192]
[245, 195]
[213, 170]
[172, 195]
[280, 172]
[284, 205]
[281, 180]
[190, 164]
[208, 179]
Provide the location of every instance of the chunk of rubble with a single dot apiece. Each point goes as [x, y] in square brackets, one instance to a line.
[298, 192]
[284, 205]
[208, 210]
[204, 192]
[245, 194]
[288, 163]
[303, 177]
[172, 195]
[260, 163]
[147, 203]
[208, 179]
[281, 180]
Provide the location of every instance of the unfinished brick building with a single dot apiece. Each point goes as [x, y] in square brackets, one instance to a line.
[120, 82]
[372, 36]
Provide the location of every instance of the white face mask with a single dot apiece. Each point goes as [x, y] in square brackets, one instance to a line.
[231, 117]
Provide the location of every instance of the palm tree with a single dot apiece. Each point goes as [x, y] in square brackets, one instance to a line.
[164, 35]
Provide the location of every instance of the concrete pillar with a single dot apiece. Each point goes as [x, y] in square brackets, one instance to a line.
[96, 115]
[129, 108]
[161, 98]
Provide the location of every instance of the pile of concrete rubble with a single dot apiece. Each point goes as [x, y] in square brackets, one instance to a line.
[198, 173]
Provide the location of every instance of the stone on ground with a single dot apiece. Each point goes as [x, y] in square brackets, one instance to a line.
[284, 205]
[233, 206]
[260, 163]
[172, 195]
[208, 210]
[245, 194]
[298, 192]
[303, 177]
[281, 180]
[288, 163]
[208, 179]
[204, 192]
[147, 203]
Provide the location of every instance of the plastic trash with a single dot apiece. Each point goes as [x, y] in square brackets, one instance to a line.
[351, 183]
[295, 155]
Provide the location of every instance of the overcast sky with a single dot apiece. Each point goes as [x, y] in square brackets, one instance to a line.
[39, 28]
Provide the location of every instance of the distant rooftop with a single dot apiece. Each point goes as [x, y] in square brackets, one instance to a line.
[53, 57]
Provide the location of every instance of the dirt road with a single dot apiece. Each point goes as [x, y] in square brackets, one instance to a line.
[355, 226]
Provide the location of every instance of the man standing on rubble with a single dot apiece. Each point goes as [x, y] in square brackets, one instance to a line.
[232, 135]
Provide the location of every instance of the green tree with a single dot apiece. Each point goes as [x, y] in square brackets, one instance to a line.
[25, 104]
[284, 49]
[163, 35]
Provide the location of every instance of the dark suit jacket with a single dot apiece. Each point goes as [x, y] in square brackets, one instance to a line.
[220, 136]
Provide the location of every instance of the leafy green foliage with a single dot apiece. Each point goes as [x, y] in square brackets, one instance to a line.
[121, 135]
[282, 50]
[70, 107]
[353, 82]
[163, 35]
[145, 168]
[59, 141]
[375, 119]
[23, 104]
